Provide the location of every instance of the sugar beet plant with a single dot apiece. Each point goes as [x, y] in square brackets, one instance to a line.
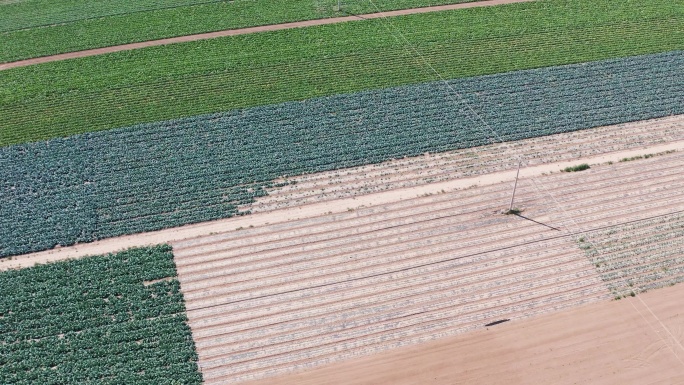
[93, 321]
[172, 173]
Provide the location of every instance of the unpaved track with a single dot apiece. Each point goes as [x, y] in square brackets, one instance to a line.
[633, 341]
[244, 31]
[599, 146]
[292, 296]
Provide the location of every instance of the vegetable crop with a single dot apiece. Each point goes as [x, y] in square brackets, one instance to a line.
[176, 172]
[46, 27]
[168, 82]
[640, 256]
[94, 321]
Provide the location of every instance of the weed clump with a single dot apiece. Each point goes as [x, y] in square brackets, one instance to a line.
[579, 167]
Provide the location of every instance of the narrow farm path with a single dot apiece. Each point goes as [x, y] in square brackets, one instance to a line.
[602, 150]
[244, 31]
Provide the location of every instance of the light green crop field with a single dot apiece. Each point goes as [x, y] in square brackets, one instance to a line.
[100, 92]
[32, 28]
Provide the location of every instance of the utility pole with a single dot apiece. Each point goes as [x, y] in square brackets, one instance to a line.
[339, 7]
[515, 186]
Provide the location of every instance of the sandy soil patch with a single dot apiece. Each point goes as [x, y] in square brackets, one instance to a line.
[301, 294]
[631, 341]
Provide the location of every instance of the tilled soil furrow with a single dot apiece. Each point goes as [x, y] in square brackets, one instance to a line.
[310, 251]
[466, 242]
[304, 339]
[222, 375]
[294, 295]
[406, 305]
[377, 342]
[671, 165]
[381, 292]
[365, 289]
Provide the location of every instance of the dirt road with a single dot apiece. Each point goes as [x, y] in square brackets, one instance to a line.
[244, 31]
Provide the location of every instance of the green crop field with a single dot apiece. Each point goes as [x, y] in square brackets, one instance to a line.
[95, 321]
[32, 28]
[100, 92]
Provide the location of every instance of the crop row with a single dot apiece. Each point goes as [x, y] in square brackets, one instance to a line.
[100, 24]
[94, 320]
[159, 83]
[190, 170]
[640, 256]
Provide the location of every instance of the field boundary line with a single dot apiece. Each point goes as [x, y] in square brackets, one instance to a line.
[249, 30]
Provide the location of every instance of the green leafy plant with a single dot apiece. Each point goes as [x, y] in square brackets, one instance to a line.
[81, 321]
[579, 167]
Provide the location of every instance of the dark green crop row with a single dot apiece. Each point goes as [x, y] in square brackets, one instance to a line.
[46, 27]
[167, 82]
[93, 321]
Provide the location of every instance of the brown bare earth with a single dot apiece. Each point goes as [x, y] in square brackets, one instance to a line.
[634, 341]
[297, 295]
[243, 31]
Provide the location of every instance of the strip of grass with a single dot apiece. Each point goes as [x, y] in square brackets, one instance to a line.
[167, 82]
[33, 28]
[93, 321]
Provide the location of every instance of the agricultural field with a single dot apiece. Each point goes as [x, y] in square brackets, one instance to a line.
[639, 256]
[240, 208]
[155, 84]
[434, 168]
[145, 178]
[112, 319]
[287, 297]
[32, 28]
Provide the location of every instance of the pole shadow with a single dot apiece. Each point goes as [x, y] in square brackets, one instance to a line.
[537, 222]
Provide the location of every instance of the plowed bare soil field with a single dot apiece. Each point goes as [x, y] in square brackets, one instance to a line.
[296, 295]
[635, 341]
